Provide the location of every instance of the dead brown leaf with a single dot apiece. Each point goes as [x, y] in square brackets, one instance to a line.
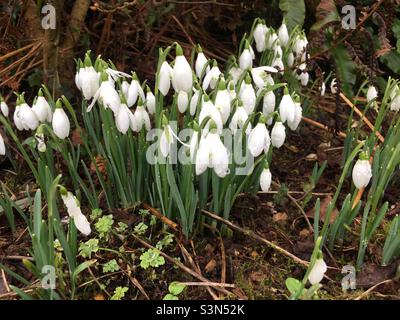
[323, 208]
[211, 266]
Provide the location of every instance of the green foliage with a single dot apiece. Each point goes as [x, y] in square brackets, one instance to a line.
[86, 249]
[110, 266]
[119, 293]
[294, 12]
[141, 228]
[346, 68]
[151, 258]
[103, 225]
[175, 288]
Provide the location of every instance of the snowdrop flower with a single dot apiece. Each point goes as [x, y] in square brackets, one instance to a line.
[272, 39]
[278, 64]
[182, 78]
[283, 34]
[107, 95]
[248, 96]
[290, 59]
[123, 118]
[28, 118]
[87, 79]
[278, 134]
[3, 107]
[16, 117]
[208, 109]
[322, 88]
[140, 118]
[223, 101]
[212, 153]
[39, 136]
[304, 77]
[265, 179]
[182, 101]
[201, 61]
[235, 73]
[297, 116]
[167, 138]
[286, 107]
[395, 99]
[134, 91]
[150, 101]
[362, 172]
[194, 142]
[259, 34]
[300, 46]
[231, 90]
[246, 58]
[334, 89]
[268, 105]
[317, 272]
[259, 139]
[211, 78]
[164, 78]
[60, 122]
[238, 120]
[261, 76]
[194, 100]
[74, 211]
[42, 109]
[2, 146]
[371, 93]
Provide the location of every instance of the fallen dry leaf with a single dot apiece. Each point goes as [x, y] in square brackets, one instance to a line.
[322, 214]
[211, 265]
[280, 216]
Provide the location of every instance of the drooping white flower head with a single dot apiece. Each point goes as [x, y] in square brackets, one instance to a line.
[261, 76]
[42, 109]
[265, 179]
[201, 61]
[87, 79]
[246, 57]
[16, 117]
[395, 99]
[278, 134]
[60, 122]
[212, 153]
[74, 211]
[238, 120]
[223, 101]
[317, 272]
[334, 88]
[297, 116]
[211, 78]
[39, 136]
[164, 78]
[194, 142]
[300, 46]
[150, 101]
[290, 59]
[286, 107]
[278, 64]
[208, 109]
[3, 107]
[106, 95]
[28, 118]
[259, 139]
[194, 100]
[268, 104]
[167, 137]
[123, 118]
[182, 101]
[2, 146]
[235, 73]
[283, 34]
[182, 77]
[362, 172]
[248, 95]
[304, 77]
[140, 118]
[322, 88]
[272, 39]
[372, 93]
[259, 34]
[134, 91]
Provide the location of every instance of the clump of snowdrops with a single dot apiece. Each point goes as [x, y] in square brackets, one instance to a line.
[199, 131]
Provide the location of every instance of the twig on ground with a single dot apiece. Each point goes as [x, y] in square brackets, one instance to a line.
[257, 237]
[365, 293]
